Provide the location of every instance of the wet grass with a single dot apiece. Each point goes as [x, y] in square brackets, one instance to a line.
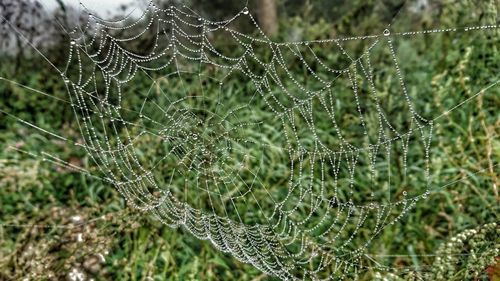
[56, 221]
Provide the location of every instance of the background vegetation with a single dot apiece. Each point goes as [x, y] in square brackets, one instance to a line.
[47, 211]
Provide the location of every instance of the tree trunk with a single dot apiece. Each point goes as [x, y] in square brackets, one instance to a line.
[268, 17]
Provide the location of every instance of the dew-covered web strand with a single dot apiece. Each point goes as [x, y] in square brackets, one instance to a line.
[294, 231]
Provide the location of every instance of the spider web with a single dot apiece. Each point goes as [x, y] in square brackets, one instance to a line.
[198, 152]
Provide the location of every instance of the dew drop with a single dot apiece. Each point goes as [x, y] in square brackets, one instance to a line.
[426, 194]
[387, 32]
[245, 11]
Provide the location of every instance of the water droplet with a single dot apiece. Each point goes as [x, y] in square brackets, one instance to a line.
[245, 11]
[73, 43]
[405, 193]
[387, 32]
[426, 194]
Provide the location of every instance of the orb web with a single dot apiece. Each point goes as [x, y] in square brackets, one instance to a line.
[291, 171]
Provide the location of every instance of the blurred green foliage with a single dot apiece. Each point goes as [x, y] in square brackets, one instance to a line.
[35, 192]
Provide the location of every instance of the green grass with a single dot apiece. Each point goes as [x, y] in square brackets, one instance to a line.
[440, 71]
